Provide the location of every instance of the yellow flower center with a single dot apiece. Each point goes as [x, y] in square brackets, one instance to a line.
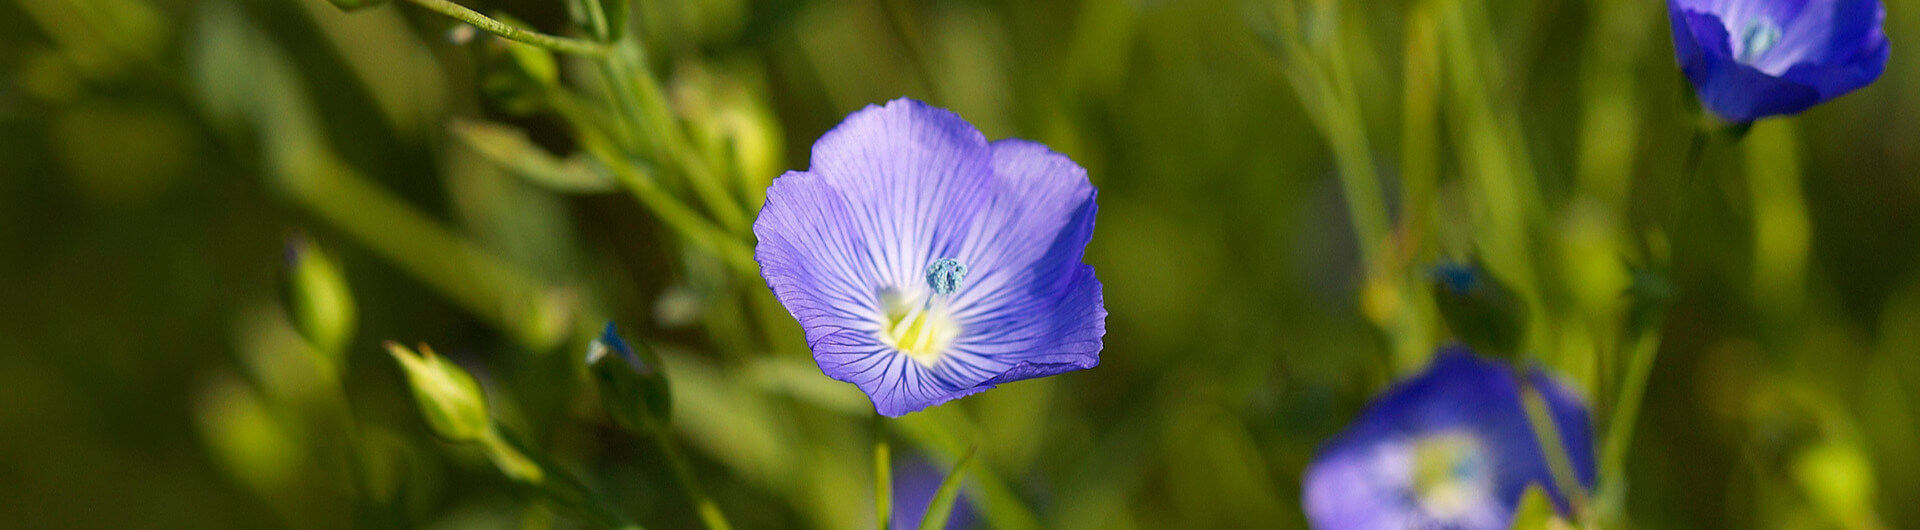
[923, 330]
[1450, 474]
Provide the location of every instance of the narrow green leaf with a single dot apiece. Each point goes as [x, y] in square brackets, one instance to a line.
[941, 508]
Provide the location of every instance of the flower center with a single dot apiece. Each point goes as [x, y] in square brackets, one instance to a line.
[1451, 476]
[923, 329]
[1758, 37]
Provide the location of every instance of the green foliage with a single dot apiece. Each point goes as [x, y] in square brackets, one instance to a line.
[1275, 179]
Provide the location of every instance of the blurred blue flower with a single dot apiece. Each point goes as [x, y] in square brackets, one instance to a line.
[1450, 448]
[926, 263]
[1750, 59]
[915, 481]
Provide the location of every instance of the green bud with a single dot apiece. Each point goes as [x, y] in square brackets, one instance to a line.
[632, 387]
[350, 5]
[322, 304]
[449, 398]
[1481, 310]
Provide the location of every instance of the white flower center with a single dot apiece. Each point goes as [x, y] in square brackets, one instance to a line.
[1757, 38]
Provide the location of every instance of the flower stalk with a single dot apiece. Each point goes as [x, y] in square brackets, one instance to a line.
[512, 32]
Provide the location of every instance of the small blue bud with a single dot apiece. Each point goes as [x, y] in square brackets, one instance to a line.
[633, 390]
[1480, 309]
[1459, 278]
[945, 274]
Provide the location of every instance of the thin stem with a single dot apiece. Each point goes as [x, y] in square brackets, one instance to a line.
[471, 276]
[1627, 406]
[511, 32]
[882, 474]
[656, 111]
[643, 103]
[597, 19]
[709, 511]
[1547, 434]
[1646, 345]
[679, 217]
[559, 486]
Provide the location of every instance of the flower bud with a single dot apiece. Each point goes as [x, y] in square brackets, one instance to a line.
[632, 387]
[322, 305]
[1481, 310]
[449, 398]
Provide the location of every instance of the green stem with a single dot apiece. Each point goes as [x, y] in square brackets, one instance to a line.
[654, 111]
[1547, 433]
[1627, 406]
[642, 104]
[559, 486]
[882, 474]
[597, 18]
[462, 271]
[511, 32]
[677, 216]
[683, 472]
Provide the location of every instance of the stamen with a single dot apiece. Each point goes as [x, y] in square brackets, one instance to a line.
[945, 274]
[1450, 474]
[1758, 37]
[921, 330]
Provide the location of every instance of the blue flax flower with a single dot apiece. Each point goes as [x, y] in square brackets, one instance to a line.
[1750, 59]
[1450, 448]
[926, 263]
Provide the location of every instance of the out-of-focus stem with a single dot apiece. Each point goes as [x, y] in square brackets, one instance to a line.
[1547, 434]
[1419, 154]
[1328, 96]
[677, 216]
[465, 273]
[882, 474]
[709, 511]
[509, 31]
[1627, 407]
[561, 486]
[643, 98]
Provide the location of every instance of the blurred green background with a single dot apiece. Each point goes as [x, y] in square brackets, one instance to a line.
[1275, 178]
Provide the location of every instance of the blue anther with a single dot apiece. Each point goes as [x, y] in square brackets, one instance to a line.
[944, 275]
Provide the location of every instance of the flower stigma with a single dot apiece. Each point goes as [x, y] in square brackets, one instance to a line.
[1756, 39]
[945, 274]
[1451, 475]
